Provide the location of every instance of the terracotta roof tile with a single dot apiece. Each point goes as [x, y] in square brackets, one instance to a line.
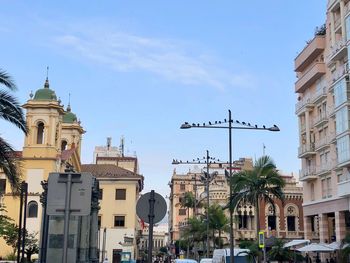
[108, 170]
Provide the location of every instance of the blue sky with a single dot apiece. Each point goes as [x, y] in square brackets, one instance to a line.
[141, 68]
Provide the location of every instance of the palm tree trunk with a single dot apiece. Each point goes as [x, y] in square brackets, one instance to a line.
[188, 238]
[257, 214]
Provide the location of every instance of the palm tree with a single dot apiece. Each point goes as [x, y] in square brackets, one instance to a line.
[218, 221]
[280, 253]
[262, 183]
[11, 111]
[188, 201]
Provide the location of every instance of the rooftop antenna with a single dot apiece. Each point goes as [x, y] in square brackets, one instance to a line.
[122, 145]
[47, 72]
[109, 142]
[46, 85]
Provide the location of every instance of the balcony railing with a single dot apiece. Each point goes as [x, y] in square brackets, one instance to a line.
[337, 51]
[308, 78]
[322, 142]
[307, 174]
[339, 73]
[321, 119]
[323, 168]
[304, 103]
[320, 94]
[294, 234]
[306, 149]
[246, 234]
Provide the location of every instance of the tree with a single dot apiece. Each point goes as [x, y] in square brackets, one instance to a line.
[188, 201]
[280, 253]
[8, 229]
[11, 111]
[254, 251]
[345, 251]
[262, 183]
[31, 245]
[218, 221]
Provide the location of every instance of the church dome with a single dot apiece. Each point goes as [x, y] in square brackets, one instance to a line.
[69, 117]
[46, 93]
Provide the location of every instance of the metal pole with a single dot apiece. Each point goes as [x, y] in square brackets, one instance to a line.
[24, 219]
[230, 167]
[195, 195]
[150, 227]
[207, 186]
[66, 218]
[20, 223]
[103, 244]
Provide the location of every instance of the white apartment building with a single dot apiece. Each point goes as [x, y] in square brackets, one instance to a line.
[322, 109]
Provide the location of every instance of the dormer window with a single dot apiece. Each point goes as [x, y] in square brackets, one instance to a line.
[64, 145]
[40, 133]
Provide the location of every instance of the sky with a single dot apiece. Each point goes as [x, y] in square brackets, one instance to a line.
[139, 69]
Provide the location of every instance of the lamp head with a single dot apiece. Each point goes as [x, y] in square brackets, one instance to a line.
[274, 128]
[185, 125]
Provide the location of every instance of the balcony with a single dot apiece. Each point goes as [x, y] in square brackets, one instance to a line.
[245, 234]
[294, 234]
[324, 168]
[307, 174]
[344, 188]
[306, 150]
[306, 80]
[322, 143]
[321, 119]
[339, 73]
[309, 53]
[320, 95]
[303, 104]
[337, 52]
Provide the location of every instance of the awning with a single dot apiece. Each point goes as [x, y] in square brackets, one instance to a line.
[314, 247]
[296, 242]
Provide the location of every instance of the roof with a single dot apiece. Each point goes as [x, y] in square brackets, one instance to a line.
[108, 170]
[45, 93]
[69, 117]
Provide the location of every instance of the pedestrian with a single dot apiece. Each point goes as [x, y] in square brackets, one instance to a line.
[106, 260]
[307, 258]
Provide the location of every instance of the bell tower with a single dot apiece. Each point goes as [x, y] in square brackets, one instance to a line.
[44, 118]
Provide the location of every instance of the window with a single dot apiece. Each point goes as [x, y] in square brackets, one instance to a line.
[329, 187]
[119, 221]
[182, 187]
[64, 145]
[323, 188]
[99, 221]
[182, 211]
[100, 194]
[242, 221]
[312, 192]
[271, 221]
[40, 133]
[120, 194]
[32, 209]
[340, 93]
[291, 223]
[347, 26]
[343, 149]
[342, 117]
[2, 186]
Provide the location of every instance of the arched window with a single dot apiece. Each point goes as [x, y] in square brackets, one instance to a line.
[64, 145]
[40, 134]
[32, 209]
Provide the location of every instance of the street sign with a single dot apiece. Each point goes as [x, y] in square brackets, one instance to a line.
[261, 239]
[143, 207]
[80, 201]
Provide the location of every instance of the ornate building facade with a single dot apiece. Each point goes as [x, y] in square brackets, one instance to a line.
[287, 222]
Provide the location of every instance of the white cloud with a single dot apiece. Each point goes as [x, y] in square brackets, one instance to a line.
[170, 59]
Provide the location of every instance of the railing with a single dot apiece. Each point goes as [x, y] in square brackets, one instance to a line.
[321, 118]
[311, 170]
[320, 93]
[335, 49]
[322, 141]
[294, 234]
[339, 72]
[310, 147]
[303, 102]
[325, 167]
[245, 233]
[315, 235]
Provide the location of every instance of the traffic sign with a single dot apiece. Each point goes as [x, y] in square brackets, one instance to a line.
[143, 207]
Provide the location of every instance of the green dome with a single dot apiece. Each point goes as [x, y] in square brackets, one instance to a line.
[46, 93]
[69, 117]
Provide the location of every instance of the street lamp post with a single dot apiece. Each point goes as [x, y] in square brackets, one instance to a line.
[242, 126]
[207, 178]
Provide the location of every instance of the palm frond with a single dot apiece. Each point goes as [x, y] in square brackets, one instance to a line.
[10, 165]
[10, 110]
[6, 80]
